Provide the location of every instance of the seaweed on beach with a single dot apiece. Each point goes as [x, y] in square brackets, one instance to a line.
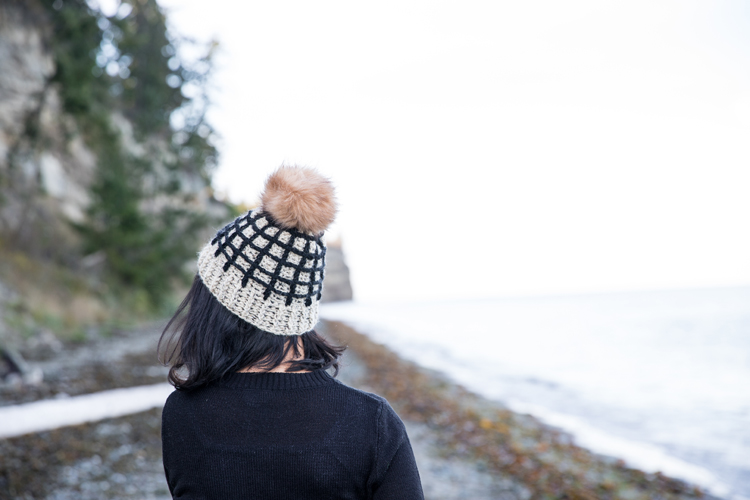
[111, 459]
[544, 459]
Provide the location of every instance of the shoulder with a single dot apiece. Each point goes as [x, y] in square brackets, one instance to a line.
[382, 413]
[179, 396]
[173, 405]
[357, 393]
[180, 401]
[368, 399]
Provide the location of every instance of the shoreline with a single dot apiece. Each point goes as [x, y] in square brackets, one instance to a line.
[466, 445]
[514, 446]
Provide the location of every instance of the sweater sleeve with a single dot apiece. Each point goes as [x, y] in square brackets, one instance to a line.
[395, 474]
[166, 426]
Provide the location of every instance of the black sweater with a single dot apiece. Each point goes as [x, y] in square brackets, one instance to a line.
[285, 436]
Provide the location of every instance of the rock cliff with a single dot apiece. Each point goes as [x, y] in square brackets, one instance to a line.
[45, 166]
[49, 162]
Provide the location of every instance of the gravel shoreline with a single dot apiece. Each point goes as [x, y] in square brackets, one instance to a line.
[466, 447]
[123, 358]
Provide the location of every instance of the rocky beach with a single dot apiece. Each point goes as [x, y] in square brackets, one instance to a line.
[466, 446]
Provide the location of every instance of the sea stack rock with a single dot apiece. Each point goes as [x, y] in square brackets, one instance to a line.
[336, 286]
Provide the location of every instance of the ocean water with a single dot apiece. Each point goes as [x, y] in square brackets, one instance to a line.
[660, 379]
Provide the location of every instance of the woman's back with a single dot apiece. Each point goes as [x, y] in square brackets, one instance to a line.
[285, 435]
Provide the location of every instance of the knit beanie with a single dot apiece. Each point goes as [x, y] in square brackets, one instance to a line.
[267, 266]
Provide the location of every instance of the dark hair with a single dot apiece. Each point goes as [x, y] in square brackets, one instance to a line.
[208, 342]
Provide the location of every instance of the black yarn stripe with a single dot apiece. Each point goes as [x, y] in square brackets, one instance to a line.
[322, 259]
[295, 277]
[319, 282]
[279, 266]
[225, 240]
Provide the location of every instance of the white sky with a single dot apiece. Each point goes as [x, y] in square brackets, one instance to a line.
[498, 148]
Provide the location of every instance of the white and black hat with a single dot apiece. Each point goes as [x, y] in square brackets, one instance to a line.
[268, 265]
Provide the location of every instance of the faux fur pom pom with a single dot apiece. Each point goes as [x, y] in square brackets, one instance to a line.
[299, 198]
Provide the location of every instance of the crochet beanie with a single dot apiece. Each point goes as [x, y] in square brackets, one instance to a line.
[267, 266]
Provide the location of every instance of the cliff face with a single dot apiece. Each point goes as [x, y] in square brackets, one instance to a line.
[45, 167]
[26, 69]
[48, 167]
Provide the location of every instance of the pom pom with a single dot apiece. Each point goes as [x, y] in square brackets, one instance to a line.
[299, 198]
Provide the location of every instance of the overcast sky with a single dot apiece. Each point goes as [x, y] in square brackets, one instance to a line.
[498, 148]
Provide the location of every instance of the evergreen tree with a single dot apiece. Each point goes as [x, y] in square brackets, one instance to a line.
[140, 216]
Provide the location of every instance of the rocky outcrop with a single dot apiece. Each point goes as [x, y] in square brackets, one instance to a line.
[337, 285]
[45, 166]
[27, 66]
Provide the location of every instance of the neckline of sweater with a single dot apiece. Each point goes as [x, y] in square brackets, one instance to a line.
[276, 380]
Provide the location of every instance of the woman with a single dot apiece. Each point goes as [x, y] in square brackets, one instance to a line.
[255, 414]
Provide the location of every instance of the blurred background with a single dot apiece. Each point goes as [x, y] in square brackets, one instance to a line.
[545, 202]
[585, 147]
